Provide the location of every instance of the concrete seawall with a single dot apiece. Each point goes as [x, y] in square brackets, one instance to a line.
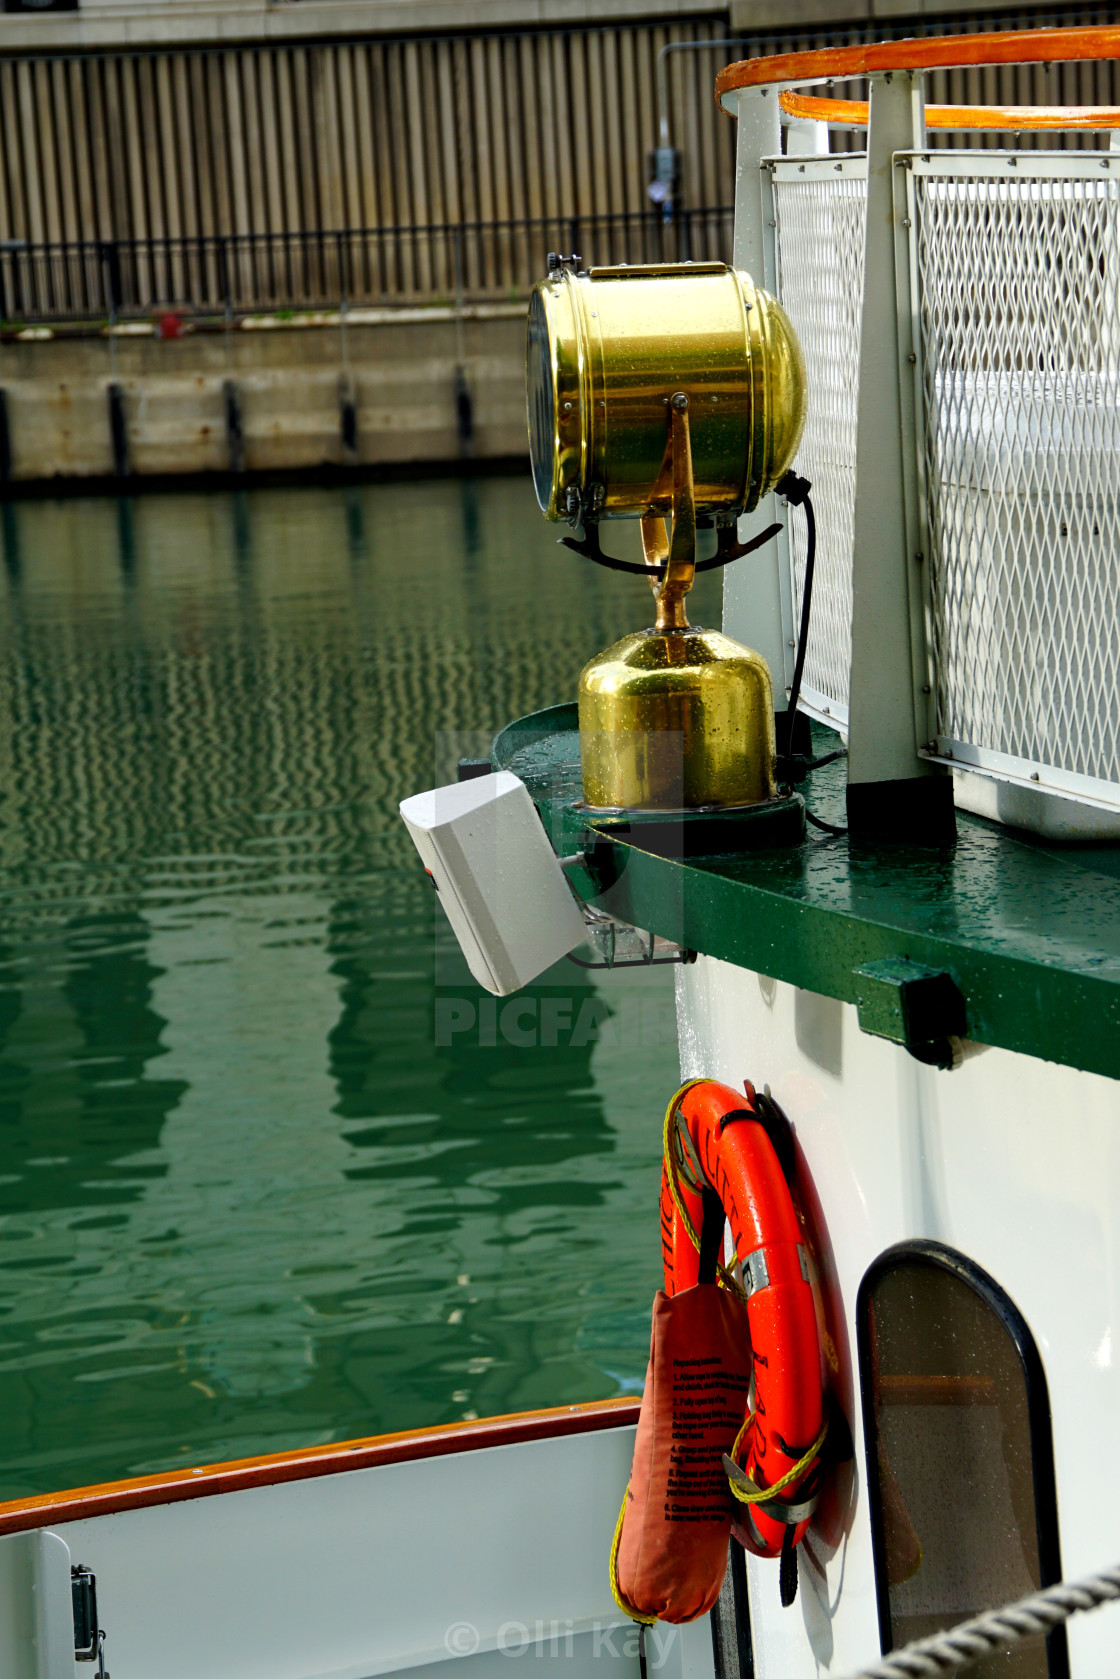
[268, 395]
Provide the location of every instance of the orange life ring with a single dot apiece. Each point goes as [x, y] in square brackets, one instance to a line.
[720, 1162]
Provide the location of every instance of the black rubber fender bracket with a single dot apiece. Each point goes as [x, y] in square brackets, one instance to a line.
[777, 1127]
[917, 1007]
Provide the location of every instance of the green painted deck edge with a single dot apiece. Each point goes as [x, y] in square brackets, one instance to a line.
[1030, 932]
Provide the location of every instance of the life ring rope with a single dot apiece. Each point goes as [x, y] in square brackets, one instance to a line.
[724, 1277]
[780, 1485]
[616, 1589]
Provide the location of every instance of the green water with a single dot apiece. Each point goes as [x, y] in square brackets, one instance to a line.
[253, 1193]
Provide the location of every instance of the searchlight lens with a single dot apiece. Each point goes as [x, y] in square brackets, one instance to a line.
[541, 392]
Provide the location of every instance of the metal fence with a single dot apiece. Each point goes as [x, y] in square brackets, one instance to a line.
[237, 274]
[1020, 360]
[820, 216]
[1013, 284]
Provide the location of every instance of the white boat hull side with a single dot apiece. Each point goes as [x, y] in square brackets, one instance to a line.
[1013, 1161]
[471, 1564]
[36, 1608]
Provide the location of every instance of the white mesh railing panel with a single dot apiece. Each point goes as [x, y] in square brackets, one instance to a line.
[820, 237]
[1020, 335]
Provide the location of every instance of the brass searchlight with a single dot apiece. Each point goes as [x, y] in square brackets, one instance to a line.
[673, 394]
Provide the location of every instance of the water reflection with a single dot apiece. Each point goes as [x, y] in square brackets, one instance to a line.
[249, 1197]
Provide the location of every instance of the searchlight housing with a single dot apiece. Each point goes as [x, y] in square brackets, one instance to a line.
[673, 394]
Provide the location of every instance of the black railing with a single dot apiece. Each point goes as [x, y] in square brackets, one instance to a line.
[237, 274]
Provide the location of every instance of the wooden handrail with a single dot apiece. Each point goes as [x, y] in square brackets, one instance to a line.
[1016, 119]
[942, 52]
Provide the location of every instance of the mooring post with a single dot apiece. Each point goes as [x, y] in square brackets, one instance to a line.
[348, 418]
[5, 439]
[235, 436]
[118, 430]
[464, 401]
[464, 414]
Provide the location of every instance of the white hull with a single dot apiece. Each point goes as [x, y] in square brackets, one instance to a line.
[474, 1561]
[1011, 1161]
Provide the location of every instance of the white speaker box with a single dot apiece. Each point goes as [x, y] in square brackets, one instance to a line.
[497, 876]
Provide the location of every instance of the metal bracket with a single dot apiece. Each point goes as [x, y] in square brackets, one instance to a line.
[756, 1271]
[728, 548]
[777, 1509]
[917, 1007]
[618, 943]
[670, 561]
[679, 568]
[89, 1638]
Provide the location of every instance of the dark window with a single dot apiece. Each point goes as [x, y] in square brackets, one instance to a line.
[39, 6]
[960, 1462]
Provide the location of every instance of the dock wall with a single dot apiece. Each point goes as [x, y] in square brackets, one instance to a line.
[406, 388]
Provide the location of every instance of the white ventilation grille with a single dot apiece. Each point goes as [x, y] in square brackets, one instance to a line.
[820, 209]
[1019, 314]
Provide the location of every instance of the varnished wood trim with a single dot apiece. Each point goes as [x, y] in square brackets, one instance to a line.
[1016, 119]
[171, 1488]
[945, 52]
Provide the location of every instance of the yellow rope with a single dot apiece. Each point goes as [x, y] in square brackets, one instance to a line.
[616, 1589]
[799, 1468]
[724, 1276]
[671, 1160]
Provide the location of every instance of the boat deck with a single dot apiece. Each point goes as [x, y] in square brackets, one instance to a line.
[1028, 929]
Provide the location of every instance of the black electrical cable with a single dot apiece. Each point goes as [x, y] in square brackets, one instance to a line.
[825, 827]
[827, 758]
[796, 492]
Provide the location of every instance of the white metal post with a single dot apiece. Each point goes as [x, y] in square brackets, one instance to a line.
[756, 606]
[891, 791]
[806, 138]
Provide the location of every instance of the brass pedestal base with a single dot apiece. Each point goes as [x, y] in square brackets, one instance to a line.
[674, 720]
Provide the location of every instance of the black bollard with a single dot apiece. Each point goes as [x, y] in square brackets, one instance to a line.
[348, 419]
[464, 414]
[5, 440]
[235, 435]
[118, 431]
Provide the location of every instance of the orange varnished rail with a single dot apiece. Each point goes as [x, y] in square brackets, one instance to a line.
[175, 1485]
[1016, 119]
[945, 52]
